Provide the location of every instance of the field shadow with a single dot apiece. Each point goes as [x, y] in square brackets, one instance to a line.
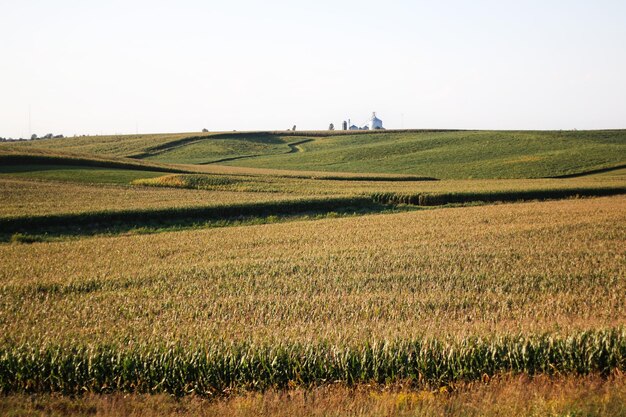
[54, 227]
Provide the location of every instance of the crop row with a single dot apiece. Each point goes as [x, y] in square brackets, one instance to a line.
[437, 199]
[217, 369]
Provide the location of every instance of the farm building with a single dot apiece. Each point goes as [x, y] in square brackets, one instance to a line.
[374, 123]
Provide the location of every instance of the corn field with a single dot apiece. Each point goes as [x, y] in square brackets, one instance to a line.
[217, 369]
[429, 297]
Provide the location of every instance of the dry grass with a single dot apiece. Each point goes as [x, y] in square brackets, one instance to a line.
[504, 396]
[532, 267]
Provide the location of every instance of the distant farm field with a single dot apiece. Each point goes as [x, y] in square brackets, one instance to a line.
[28, 198]
[73, 173]
[404, 269]
[440, 154]
[116, 145]
[457, 154]
[43, 199]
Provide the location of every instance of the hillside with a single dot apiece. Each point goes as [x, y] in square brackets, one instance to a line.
[440, 154]
[477, 154]
[113, 145]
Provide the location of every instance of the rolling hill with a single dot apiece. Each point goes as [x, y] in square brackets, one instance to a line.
[462, 154]
[440, 154]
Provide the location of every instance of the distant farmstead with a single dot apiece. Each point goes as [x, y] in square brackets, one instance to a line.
[374, 123]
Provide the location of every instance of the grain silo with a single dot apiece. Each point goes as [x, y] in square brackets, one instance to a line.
[375, 123]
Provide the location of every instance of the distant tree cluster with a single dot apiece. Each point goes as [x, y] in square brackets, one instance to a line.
[47, 136]
[33, 137]
[16, 140]
[12, 140]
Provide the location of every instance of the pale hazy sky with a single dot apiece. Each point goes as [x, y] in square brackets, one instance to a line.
[91, 67]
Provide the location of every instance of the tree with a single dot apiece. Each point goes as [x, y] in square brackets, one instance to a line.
[33, 136]
[331, 127]
[205, 130]
[293, 128]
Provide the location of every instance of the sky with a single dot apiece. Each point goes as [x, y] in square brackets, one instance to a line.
[78, 67]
